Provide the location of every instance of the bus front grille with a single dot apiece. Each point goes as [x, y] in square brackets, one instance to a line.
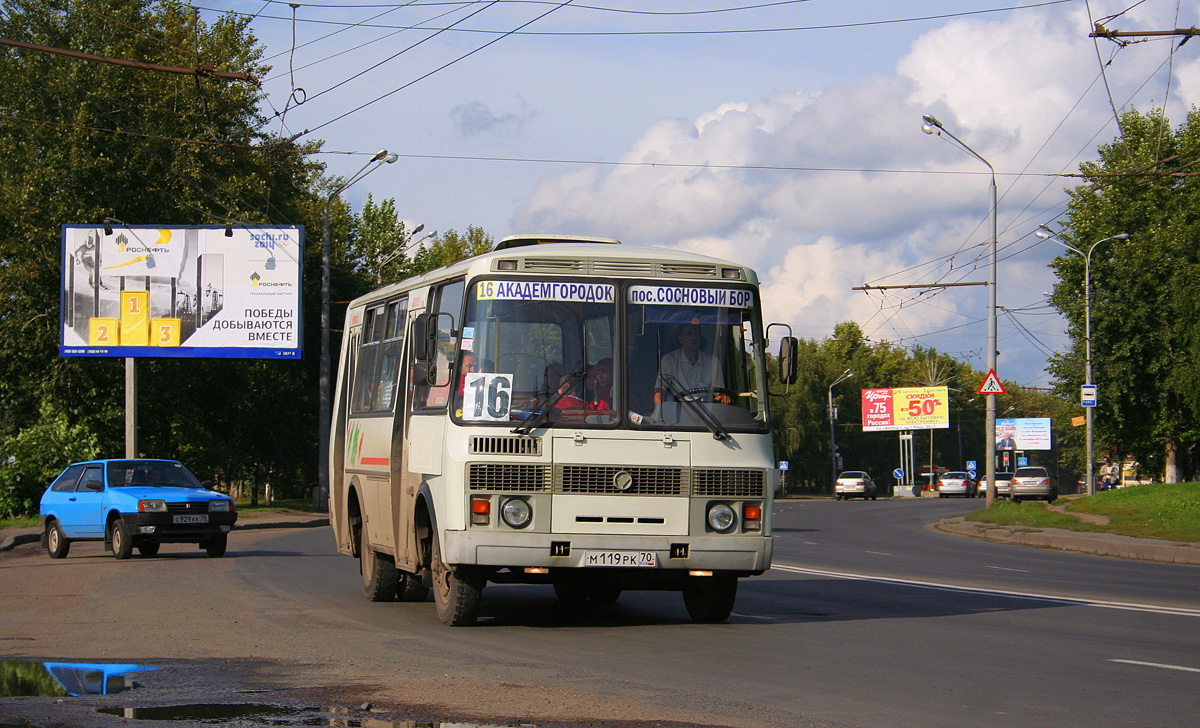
[504, 445]
[509, 478]
[609, 479]
[728, 483]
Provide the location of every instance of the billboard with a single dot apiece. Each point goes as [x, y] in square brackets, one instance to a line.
[1026, 433]
[176, 291]
[906, 408]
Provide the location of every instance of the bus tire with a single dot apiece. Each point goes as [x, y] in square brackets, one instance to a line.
[709, 598]
[410, 588]
[379, 576]
[455, 592]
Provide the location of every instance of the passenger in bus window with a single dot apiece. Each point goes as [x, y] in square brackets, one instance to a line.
[692, 367]
[599, 385]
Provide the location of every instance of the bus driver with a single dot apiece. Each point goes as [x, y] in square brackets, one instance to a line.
[692, 367]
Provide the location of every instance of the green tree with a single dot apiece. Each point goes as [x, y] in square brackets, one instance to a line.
[1144, 323]
[450, 247]
[80, 142]
[30, 459]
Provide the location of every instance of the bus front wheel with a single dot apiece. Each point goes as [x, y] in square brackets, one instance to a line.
[456, 593]
[709, 598]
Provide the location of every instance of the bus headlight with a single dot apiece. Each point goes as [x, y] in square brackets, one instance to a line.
[516, 512]
[721, 517]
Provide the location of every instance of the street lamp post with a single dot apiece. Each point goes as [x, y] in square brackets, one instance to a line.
[933, 126]
[403, 249]
[833, 460]
[1048, 234]
[380, 157]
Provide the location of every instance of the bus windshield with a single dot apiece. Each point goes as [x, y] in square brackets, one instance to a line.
[694, 354]
[537, 353]
[539, 349]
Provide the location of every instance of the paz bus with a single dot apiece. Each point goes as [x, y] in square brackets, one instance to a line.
[565, 411]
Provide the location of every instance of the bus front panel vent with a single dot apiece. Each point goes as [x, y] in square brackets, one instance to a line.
[503, 445]
[509, 478]
[728, 483]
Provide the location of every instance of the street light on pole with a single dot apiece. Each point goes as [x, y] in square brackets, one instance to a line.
[833, 459]
[1047, 234]
[933, 126]
[402, 250]
[380, 157]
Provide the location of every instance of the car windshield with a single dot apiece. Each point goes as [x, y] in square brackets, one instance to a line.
[1031, 473]
[150, 473]
[853, 474]
[954, 476]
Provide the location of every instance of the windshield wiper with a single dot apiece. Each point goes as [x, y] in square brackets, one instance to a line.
[718, 430]
[543, 407]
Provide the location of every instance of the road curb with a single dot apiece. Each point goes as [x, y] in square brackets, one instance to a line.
[12, 540]
[1098, 544]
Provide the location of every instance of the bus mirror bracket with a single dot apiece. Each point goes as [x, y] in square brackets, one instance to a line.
[424, 338]
[788, 353]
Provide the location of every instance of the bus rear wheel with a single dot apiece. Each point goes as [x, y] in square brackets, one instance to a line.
[379, 576]
[709, 598]
[456, 593]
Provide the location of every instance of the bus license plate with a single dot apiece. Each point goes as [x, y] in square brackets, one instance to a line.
[190, 519]
[620, 558]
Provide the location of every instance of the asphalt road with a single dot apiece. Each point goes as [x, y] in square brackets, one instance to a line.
[870, 618]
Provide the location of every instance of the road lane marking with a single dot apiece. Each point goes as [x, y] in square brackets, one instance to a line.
[1031, 596]
[879, 553]
[1158, 664]
[1005, 568]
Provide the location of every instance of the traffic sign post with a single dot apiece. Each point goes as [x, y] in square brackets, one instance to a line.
[1087, 395]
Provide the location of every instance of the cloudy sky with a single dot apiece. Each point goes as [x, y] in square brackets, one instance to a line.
[783, 135]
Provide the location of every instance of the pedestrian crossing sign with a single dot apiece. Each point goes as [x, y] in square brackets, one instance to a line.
[991, 384]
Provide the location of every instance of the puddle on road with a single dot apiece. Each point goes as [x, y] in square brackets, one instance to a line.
[251, 715]
[73, 679]
[64, 679]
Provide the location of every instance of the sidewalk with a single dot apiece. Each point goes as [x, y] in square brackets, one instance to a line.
[1099, 544]
[282, 518]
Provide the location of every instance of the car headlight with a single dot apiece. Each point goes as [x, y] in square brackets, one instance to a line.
[221, 505]
[721, 517]
[152, 506]
[516, 512]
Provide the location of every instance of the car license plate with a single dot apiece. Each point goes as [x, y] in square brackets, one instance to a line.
[643, 559]
[190, 519]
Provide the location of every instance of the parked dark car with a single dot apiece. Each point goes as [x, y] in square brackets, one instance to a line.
[132, 504]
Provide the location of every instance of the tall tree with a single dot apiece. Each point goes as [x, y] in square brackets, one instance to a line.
[1144, 324]
[80, 142]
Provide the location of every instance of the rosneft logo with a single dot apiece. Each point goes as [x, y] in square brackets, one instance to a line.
[257, 280]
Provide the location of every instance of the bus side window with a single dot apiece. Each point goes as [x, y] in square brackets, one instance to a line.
[447, 311]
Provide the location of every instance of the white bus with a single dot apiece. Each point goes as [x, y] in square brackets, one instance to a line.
[564, 411]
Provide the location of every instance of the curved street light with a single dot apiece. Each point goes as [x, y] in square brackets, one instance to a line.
[833, 459]
[1046, 233]
[934, 127]
[379, 158]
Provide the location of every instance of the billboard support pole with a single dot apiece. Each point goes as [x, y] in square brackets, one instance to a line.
[130, 407]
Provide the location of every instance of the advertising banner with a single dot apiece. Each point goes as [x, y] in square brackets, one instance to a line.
[1026, 433]
[906, 408]
[173, 291]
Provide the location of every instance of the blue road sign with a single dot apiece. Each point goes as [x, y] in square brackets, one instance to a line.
[972, 474]
[783, 464]
[971, 466]
[898, 473]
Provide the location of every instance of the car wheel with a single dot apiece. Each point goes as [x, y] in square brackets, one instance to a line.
[57, 545]
[456, 592]
[709, 598]
[150, 548]
[380, 579]
[122, 542]
[215, 546]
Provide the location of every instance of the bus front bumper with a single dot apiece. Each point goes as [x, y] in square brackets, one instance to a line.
[739, 553]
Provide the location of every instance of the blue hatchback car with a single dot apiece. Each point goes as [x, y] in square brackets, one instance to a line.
[133, 503]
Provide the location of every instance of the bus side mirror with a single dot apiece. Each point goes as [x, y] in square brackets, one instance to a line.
[424, 338]
[423, 373]
[788, 348]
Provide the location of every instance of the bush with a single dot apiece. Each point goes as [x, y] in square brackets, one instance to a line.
[32, 458]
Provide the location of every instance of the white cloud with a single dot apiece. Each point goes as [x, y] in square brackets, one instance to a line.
[1017, 90]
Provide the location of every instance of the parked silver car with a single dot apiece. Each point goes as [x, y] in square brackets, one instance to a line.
[956, 482]
[854, 484]
[1033, 482]
[1003, 485]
